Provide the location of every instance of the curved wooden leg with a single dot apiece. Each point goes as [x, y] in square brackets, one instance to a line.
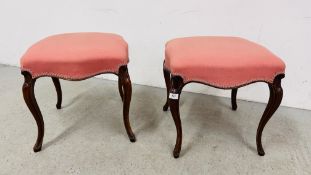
[276, 95]
[168, 86]
[173, 101]
[233, 98]
[120, 87]
[29, 97]
[59, 92]
[127, 87]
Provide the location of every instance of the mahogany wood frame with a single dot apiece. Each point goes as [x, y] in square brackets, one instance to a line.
[175, 84]
[125, 90]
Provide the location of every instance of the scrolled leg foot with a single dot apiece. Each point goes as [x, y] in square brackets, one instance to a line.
[176, 153]
[29, 97]
[276, 95]
[37, 148]
[127, 89]
[165, 107]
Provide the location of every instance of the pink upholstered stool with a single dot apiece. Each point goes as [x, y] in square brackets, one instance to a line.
[76, 56]
[221, 62]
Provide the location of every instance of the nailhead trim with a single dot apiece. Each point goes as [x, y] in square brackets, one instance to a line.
[186, 80]
[51, 74]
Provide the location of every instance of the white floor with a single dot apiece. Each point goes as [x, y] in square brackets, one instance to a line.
[87, 135]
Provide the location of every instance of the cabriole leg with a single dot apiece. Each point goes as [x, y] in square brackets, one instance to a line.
[173, 101]
[168, 86]
[233, 98]
[127, 94]
[276, 95]
[29, 97]
[59, 92]
[120, 87]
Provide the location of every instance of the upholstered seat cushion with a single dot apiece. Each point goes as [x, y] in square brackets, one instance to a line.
[76, 55]
[223, 62]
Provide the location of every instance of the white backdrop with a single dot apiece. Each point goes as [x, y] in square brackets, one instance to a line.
[283, 26]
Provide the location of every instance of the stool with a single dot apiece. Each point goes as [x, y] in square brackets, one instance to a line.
[75, 56]
[220, 62]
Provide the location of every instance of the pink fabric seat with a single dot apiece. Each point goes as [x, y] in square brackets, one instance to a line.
[223, 62]
[76, 55]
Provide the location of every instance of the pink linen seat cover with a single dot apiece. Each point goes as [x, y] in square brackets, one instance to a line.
[223, 62]
[76, 55]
